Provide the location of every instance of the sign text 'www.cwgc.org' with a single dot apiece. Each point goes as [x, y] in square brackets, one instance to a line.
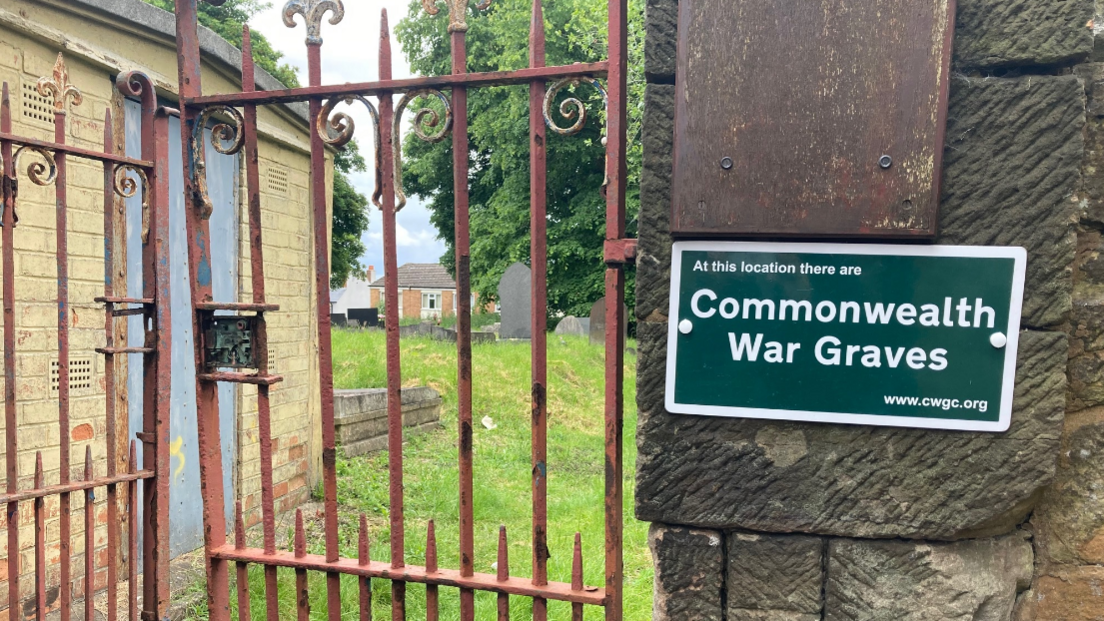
[909, 336]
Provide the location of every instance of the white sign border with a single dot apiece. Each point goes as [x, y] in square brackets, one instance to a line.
[1008, 380]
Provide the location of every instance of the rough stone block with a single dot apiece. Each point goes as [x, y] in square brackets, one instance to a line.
[1086, 355]
[1010, 173]
[1092, 167]
[1088, 269]
[1004, 33]
[661, 40]
[1066, 594]
[1069, 522]
[774, 576]
[847, 480]
[689, 574]
[653, 260]
[916, 581]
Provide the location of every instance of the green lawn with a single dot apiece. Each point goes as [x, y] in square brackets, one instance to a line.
[502, 483]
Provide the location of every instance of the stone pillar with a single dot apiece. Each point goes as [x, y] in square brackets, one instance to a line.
[863, 523]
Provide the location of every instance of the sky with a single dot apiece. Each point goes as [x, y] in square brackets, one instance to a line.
[350, 53]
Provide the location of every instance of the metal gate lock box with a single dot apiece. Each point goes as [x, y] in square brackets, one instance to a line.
[810, 119]
[228, 341]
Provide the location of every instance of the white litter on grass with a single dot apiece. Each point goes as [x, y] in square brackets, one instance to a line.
[489, 423]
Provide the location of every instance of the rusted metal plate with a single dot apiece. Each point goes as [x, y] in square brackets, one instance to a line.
[810, 119]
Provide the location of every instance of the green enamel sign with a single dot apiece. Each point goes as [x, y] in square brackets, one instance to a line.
[906, 336]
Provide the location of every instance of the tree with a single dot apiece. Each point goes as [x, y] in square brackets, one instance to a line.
[350, 218]
[227, 21]
[499, 136]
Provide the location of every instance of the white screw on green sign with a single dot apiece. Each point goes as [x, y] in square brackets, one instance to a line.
[906, 336]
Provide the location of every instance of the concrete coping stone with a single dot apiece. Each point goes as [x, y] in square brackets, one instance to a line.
[148, 17]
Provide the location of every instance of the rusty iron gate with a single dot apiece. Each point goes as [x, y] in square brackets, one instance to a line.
[220, 327]
[45, 164]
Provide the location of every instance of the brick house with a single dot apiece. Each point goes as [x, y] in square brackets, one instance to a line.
[100, 39]
[426, 291]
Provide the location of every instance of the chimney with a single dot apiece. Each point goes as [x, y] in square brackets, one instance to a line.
[371, 274]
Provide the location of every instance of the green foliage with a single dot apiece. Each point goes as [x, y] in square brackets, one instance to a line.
[499, 134]
[227, 21]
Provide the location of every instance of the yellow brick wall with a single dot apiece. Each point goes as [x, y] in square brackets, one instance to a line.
[289, 281]
[22, 61]
[31, 34]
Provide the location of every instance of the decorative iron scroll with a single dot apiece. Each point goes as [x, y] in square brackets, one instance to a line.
[458, 12]
[127, 187]
[426, 118]
[312, 12]
[338, 130]
[221, 133]
[59, 87]
[36, 170]
[571, 108]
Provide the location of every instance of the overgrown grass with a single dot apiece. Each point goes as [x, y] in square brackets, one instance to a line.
[502, 466]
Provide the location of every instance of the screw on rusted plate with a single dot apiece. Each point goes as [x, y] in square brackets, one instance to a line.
[885, 161]
[726, 163]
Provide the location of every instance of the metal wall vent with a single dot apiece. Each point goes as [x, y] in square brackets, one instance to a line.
[36, 108]
[277, 180]
[80, 376]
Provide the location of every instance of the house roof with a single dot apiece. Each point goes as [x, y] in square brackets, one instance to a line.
[335, 294]
[422, 276]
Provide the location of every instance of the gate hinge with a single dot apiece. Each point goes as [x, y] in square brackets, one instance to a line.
[620, 251]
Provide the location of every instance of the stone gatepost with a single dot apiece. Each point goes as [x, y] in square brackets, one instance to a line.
[759, 520]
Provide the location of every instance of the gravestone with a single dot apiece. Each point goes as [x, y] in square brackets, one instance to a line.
[517, 305]
[597, 328]
[571, 325]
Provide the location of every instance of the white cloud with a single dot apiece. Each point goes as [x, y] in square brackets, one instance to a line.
[350, 53]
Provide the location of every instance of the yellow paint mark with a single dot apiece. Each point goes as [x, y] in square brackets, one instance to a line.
[174, 451]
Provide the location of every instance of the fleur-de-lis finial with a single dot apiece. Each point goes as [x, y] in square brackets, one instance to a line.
[458, 12]
[312, 12]
[59, 87]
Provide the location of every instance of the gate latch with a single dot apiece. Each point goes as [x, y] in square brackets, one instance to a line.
[228, 341]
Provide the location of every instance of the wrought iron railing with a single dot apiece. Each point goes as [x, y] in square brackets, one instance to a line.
[123, 177]
[330, 128]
